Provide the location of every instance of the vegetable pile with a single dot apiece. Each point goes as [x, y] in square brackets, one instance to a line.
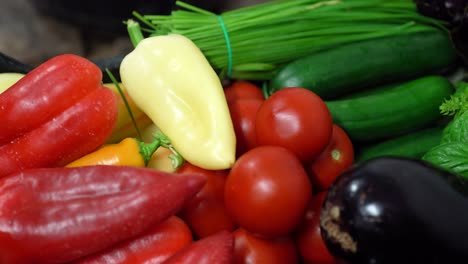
[343, 141]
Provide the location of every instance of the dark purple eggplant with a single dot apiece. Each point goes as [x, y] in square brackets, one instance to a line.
[397, 210]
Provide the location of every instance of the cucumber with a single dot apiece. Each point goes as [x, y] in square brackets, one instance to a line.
[394, 111]
[412, 145]
[339, 71]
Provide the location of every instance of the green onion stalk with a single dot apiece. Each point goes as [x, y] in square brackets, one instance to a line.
[253, 42]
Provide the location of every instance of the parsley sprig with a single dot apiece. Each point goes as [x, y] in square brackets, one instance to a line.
[458, 102]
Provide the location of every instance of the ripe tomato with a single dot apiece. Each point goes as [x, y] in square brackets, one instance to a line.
[243, 112]
[252, 249]
[338, 156]
[206, 214]
[267, 191]
[243, 90]
[297, 119]
[309, 239]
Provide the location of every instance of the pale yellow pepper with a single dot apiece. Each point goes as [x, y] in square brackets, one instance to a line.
[7, 79]
[169, 78]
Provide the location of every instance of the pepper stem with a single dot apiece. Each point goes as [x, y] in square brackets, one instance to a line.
[147, 149]
[160, 140]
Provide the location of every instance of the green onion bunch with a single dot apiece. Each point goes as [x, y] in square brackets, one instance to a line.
[262, 37]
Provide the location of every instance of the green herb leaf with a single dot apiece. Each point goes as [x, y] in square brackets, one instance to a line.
[452, 153]
[452, 156]
[457, 130]
[458, 102]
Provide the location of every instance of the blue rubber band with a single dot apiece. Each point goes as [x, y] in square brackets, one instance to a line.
[228, 45]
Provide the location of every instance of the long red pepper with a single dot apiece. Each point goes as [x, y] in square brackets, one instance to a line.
[153, 247]
[57, 215]
[216, 248]
[44, 92]
[56, 135]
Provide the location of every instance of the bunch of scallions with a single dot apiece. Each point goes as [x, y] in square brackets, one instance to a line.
[252, 42]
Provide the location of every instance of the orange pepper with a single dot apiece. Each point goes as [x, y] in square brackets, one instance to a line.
[130, 152]
[124, 153]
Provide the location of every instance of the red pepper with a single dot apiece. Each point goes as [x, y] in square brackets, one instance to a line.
[55, 114]
[216, 248]
[57, 215]
[153, 247]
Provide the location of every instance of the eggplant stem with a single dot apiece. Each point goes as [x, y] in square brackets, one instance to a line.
[329, 223]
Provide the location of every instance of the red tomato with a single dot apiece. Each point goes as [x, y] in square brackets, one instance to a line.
[252, 249]
[309, 239]
[206, 214]
[157, 245]
[267, 191]
[297, 119]
[337, 156]
[243, 112]
[243, 90]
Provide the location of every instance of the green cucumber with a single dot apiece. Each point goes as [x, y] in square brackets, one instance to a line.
[394, 111]
[339, 71]
[412, 145]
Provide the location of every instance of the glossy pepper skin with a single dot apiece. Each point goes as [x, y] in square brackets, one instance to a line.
[46, 91]
[57, 215]
[216, 248]
[54, 115]
[171, 81]
[124, 153]
[153, 247]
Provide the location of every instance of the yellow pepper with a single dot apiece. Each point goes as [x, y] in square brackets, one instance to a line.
[7, 79]
[169, 78]
[124, 127]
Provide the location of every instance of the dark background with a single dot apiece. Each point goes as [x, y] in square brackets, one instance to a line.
[33, 31]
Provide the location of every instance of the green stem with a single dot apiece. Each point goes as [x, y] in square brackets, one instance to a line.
[160, 140]
[193, 8]
[124, 99]
[134, 32]
[279, 31]
[147, 149]
[176, 158]
[265, 90]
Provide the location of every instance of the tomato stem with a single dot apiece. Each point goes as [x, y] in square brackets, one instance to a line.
[336, 154]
